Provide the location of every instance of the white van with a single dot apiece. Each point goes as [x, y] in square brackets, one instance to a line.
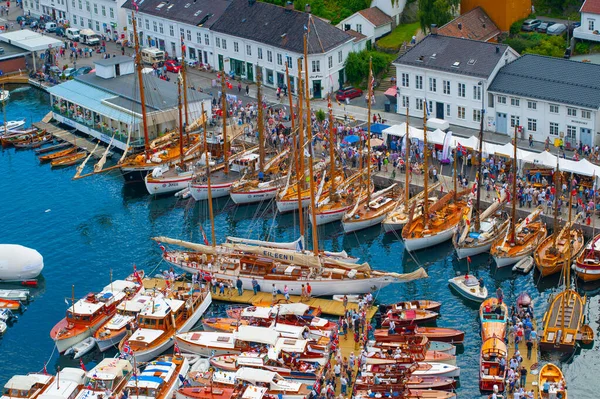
[152, 55]
[88, 36]
[72, 34]
[50, 26]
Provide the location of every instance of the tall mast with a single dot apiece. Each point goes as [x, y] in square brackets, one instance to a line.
[225, 114]
[369, 131]
[210, 204]
[183, 73]
[287, 75]
[261, 139]
[455, 176]
[331, 150]
[425, 170]
[299, 148]
[514, 192]
[479, 160]
[138, 66]
[407, 162]
[181, 155]
[556, 183]
[310, 161]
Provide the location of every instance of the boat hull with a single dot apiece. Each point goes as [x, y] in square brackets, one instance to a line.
[251, 197]
[390, 227]
[63, 344]
[350, 227]
[504, 261]
[586, 273]
[113, 341]
[136, 174]
[284, 206]
[330, 216]
[414, 244]
[200, 191]
[166, 185]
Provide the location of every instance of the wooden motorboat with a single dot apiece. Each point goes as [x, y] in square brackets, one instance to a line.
[423, 304]
[34, 142]
[10, 304]
[86, 315]
[66, 385]
[168, 315]
[562, 321]
[29, 386]
[440, 357]
[587, 264]
[432, 333]
[493, 317]
[554, 252]
[113, 373]
[437, 369]
[8, 140]
[445, 347]
[280, 310]
[206, 393]
[490, 372]
[159, 379]
[469, 287]
[430, 382]
[57, 154]
[223, 324]
[68, 160]
[552, 375]
[410, 316]
[524, 265]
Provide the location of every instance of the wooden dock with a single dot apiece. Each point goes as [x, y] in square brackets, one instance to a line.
[527, 363]
[68, 137]
[328, 306]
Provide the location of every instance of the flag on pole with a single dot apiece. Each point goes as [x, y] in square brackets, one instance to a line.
[176, 349]
[137, 276]
[82, 365]
[126, 352]
[162, 247]
[135, 5]
[469, 259]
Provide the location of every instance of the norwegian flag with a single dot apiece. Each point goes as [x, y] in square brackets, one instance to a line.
[162, 248]
[82, 365]
[176, 349]
[126, 352]
[182, 45]
[137, 276]
[135, 5]
[461, 149]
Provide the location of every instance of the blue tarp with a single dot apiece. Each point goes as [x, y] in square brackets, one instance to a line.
[351, 139]
[378, 128]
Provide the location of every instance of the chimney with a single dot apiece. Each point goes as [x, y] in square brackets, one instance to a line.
[289, 5]
[434, 29]
[459, 26]
[307, 8]
[497, 49]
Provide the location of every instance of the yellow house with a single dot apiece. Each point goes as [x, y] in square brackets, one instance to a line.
[502, 12]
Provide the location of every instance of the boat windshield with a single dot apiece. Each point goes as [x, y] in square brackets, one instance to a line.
[15, 393]
[97, 384]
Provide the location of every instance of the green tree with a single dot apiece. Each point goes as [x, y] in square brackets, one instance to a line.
[357, 65]
[437, 12]
[320, 115]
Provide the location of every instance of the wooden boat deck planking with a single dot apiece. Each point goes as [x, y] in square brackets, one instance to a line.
[328, 306]
[65, 136]
[527, 362]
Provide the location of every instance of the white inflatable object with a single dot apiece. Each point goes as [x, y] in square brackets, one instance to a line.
[19, 263]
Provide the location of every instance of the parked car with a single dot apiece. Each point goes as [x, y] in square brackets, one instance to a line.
[173, 66]
[83, 71]
[557, 29]
[348, 92]
[54, 70]
[69, 72]
[60, 32]
[543, 27]
[530, 25]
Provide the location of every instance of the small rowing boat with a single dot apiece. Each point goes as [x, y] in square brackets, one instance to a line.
[68, 160]
[469, 287]
[58, 154]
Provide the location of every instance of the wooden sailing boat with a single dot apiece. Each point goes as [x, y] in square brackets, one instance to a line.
[438, 222]
[554, 252]
[263, 184]
[160, 151]
[476, 233]
[523, 238]
[587, 264]
[375, 207]
[564, 318]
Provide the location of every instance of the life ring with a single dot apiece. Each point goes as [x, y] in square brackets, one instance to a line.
[140, 338]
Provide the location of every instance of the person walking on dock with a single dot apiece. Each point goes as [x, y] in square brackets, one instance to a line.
[523, 372]
[274, 294]
[308, 290]
[239, 286]
[254, 285]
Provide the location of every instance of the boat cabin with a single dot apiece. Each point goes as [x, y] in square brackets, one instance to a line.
[247, 163]
[93, 305]
[26, 386]
[267, 379]
[492, 350]
[155, 319]
[66, 386]
[109, 374]
[153, 380]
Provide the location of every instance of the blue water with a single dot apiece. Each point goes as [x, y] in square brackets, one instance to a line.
[88, 228]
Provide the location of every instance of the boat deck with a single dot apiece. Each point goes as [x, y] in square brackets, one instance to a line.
[531, 378]
[328, 306]
[65, 136]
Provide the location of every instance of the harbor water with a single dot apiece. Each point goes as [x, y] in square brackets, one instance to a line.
[90, 229]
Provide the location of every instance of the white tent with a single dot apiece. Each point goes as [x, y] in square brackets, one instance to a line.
[583, 167]
[436, 137]
[471, 143]
[508, 150]
[400, 131]
[544, 158]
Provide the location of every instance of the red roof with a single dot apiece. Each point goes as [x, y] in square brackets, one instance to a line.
[591, 6]
[375, 16]
[474, 25]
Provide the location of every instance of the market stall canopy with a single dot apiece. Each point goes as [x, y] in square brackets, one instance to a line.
[583, 167]
[378, 128]
[400, 131]
[471, 143]
[376, 142]
[508, 150]
[436, 137]
[351, 139]
[30, 41]
[391, 94]
[544, 158]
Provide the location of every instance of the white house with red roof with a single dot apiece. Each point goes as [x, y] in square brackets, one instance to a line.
[590, 21]
[371, 22]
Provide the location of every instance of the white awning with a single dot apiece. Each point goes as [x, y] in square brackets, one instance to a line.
[544, 158]
[29, 40]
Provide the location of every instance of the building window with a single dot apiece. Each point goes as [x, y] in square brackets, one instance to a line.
[269, 56]
[154, 26]
[477, 92]
[316, 66]
[206, 39]
[432, 84]
[340, 57]
[586, 114]
[419, 104]
[591, 24]
[448, 110]
[72, 3]
[554, 128]
[405, 102]
[405, 79]
[189, 35]
[236, 47]
[198, 37]
[81, 21]
[418, 82]
[515, 121]
[554, 108]
[571, 132]
[97, 26]
[501, 100]
[259, 50]
[224, 44]
[462, 90]
[532, 105]
[571, 112]
[104, 11]
[87, 5]
[476, 115]
[330, 61]
[171, 30]
[112, 13]
[461, 112]
[288, 59]
[147, 25]
[161, 27]
[280, 59]
[218, 42]
[446, 87]
[248, 49]
[359, 28]
[515, 102]
[532, 125]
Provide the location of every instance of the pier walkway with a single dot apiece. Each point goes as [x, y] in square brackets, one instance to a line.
[532, 379]
[65, 136]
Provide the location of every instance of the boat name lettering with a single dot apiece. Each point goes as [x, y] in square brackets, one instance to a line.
[275, 255]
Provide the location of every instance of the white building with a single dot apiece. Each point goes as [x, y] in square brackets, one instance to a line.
[371, 22]
[590, 21]
[162, 24]
[451, 76]
[393, 8]
[251, 35]
[548, 97]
